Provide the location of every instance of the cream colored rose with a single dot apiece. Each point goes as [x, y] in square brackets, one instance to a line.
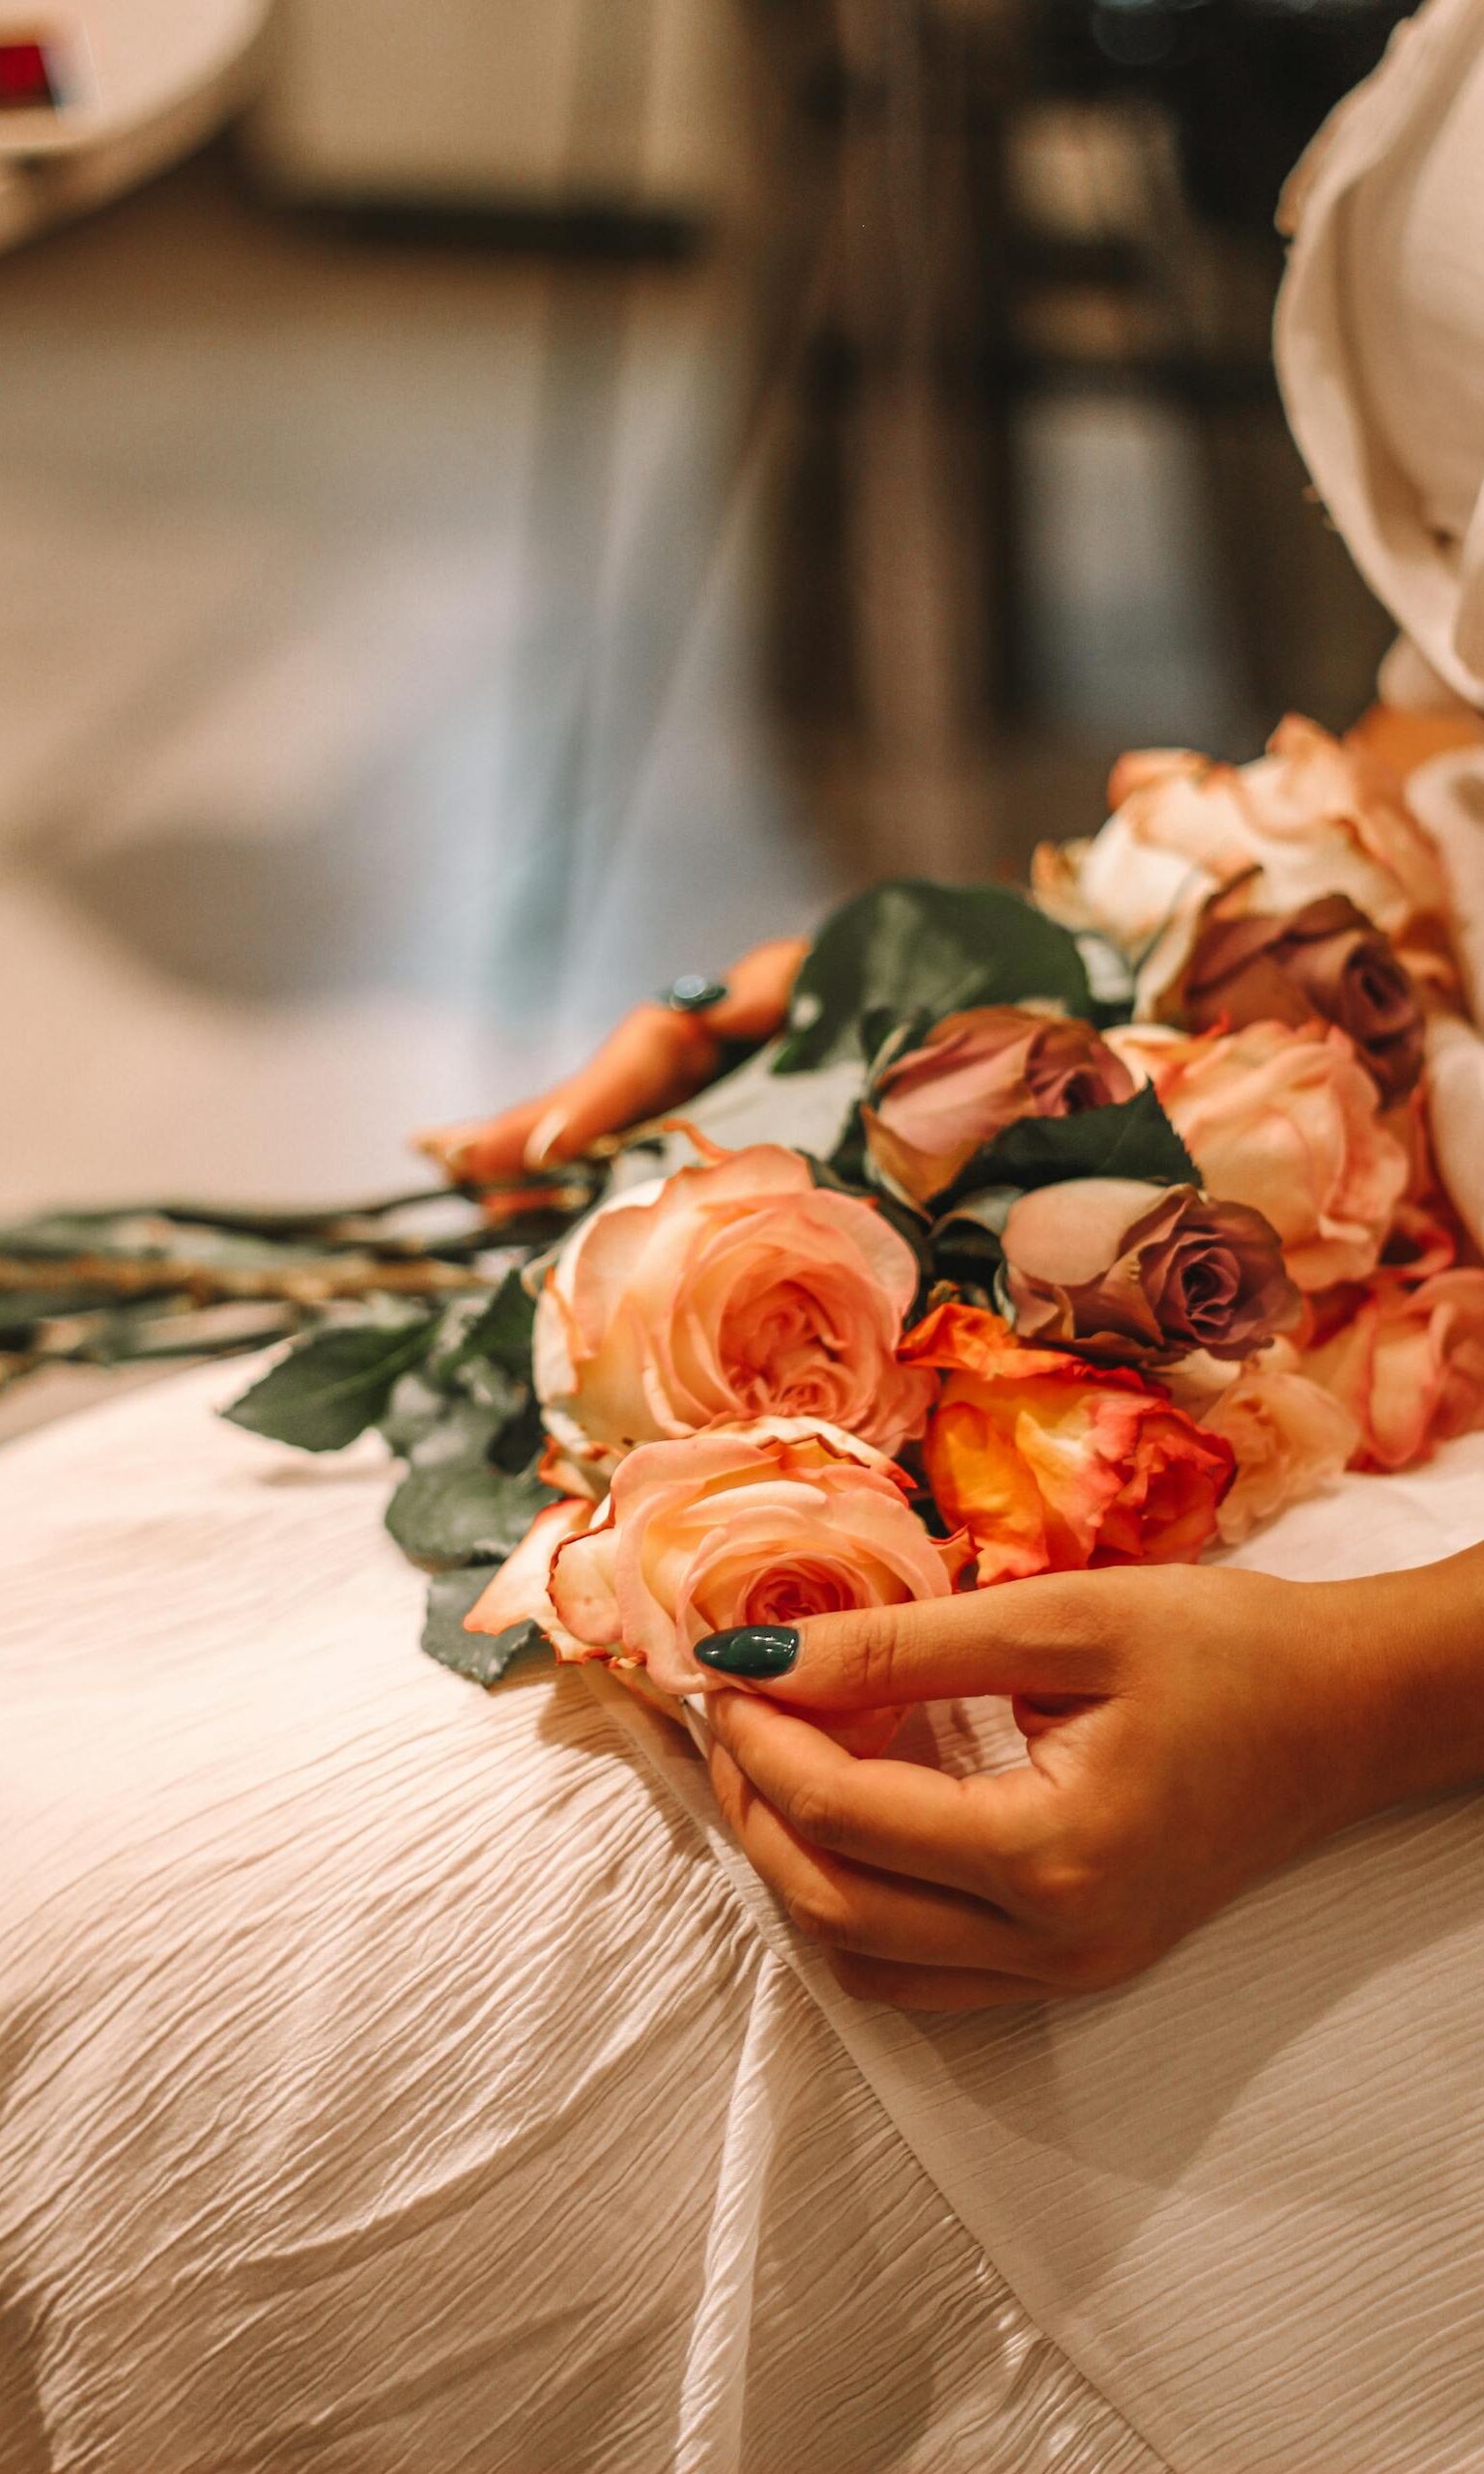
[762, 1526]
[1290, 1436]
[1287, 1122]
[729, 1292]
[1313, 817]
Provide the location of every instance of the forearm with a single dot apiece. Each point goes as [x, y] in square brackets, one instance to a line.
[1414, 1641]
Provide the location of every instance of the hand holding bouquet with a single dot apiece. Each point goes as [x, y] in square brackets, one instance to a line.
[1078, 1280]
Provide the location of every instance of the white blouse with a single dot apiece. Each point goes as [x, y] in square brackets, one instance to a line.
[1379, 336]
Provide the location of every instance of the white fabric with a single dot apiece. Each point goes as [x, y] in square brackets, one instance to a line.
[396, 2079]
[1380, 332]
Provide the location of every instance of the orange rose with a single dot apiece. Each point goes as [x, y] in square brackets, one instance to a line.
[1287, 1122]
[761, 1526]
[725, 1293]
[1290, 1436]
[1052, 1465]
[1409, 1365]
[974, 1074]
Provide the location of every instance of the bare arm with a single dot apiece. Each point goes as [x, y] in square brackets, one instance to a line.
[655, 1061]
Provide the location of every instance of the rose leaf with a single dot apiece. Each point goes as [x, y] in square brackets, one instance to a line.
[335, 1383]
[912, 947]
[464, 1512]
[483, 1657]
[1127, 1138]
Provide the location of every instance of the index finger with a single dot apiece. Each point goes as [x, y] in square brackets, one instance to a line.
[1050, 1635]
[964, 1833]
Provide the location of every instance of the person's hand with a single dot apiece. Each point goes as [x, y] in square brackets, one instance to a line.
[657, 1058]
[1187, 1731]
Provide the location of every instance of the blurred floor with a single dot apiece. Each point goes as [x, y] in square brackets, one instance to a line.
[383, 700]
[333, 795]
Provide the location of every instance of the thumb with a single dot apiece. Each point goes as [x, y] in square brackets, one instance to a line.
[1054, 1634]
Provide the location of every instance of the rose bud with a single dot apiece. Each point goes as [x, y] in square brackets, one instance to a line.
[1327, 959]
[976, 1074]
[1136, 1273]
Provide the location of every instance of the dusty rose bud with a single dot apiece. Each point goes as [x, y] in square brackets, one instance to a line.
[1327, 959]
[974, 1074]
[1142, 1274]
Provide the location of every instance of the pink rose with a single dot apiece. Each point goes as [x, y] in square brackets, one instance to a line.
[1290, 1436]
[974, 1074]
[725, 1293]
[1313, 817]
[759, 1526]
[1287, 1122]
[1139, 1274]
[1052, 1465]
[1409, 1365]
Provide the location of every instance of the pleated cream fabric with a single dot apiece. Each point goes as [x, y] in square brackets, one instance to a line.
[391, 2081]
[396, 2079]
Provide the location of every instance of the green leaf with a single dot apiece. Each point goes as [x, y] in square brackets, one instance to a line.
[1127, 1138]
[481, 1656]
[464, 1511]
[965, 1241]
[334, 1385]
[501, 1333]
[417, 1405]
[21, 1308]
[913, 947]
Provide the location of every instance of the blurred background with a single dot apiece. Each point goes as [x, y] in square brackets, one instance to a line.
[505, 504]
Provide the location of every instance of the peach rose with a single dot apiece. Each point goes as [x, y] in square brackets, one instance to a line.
[729, 1292]
[1287, 1122]
[1138, 1273]
[974, 1074]
[1409, 1365]
[1312, 816]
[763, 1525]
[1290, 1436]
[1052, 1466]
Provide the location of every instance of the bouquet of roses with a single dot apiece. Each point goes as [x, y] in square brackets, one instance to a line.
[1090, 1226]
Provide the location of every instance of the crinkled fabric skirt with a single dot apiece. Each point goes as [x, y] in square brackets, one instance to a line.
[397, 2079]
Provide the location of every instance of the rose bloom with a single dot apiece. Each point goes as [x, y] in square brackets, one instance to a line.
[1052, 1465]
[1287, 1122]
[1409, 1363]
[1140, 1273]
[1315, 816]
[1290, 1436]
[725, 1293]
[974, 1074]
[764, 1525]
[1324, 960]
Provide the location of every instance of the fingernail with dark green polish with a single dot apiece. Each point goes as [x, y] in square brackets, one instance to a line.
[753, 1650]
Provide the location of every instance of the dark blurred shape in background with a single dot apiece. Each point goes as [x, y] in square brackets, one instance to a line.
[555, 494]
